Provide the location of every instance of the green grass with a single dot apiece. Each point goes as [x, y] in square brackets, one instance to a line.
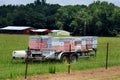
[11, 69]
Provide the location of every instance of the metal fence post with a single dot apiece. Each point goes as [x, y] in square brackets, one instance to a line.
[68, 59]
[26, 61]
[26, 67]
[107, 55]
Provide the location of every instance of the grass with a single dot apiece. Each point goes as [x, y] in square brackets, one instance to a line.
[10, 69]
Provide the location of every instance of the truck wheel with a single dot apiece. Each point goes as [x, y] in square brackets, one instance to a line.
[73, 58]
[64, 59]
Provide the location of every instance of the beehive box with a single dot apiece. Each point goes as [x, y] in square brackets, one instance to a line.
[62, 43]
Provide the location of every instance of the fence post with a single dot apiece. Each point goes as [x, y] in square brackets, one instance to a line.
[26, 61]
[68, 63]
[68, 59]
[107, 55]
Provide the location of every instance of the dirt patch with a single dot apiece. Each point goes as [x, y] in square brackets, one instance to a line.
[112, 73]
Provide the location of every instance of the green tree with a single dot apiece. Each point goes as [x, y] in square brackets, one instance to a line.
[60, 25]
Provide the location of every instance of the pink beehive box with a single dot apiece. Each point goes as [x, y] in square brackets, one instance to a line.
[62, 44]
[88, 42]
[34, 47]
[83, 47]
[66, 46]
[72, 43]
[42, 46]
[58, 48]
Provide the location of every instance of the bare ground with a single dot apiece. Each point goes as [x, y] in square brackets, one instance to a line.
[112, 73]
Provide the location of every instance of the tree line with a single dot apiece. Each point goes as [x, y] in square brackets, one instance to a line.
[96, 19]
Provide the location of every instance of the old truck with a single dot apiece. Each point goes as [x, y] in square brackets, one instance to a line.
[60, 48]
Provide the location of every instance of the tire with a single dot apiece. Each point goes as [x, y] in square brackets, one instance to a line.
[73, 58]
[64, 59]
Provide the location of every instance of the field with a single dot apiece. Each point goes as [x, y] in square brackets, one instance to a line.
[11, 69]
[112, 73]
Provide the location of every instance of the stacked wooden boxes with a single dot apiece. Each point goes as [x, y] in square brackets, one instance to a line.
[34, 42]
[62, 43]
[90, 42]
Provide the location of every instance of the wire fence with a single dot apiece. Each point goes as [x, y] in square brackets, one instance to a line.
[11, 69]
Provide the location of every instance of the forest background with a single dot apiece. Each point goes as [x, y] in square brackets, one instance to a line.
[96, 19]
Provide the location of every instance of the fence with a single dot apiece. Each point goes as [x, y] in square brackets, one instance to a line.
[15, 68]
[11, 69]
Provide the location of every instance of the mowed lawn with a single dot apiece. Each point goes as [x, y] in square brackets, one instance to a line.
[10, 69]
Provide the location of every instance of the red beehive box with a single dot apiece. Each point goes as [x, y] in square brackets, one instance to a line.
[33, 44]
[42, 45]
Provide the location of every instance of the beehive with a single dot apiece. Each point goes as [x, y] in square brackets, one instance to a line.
[62, 43]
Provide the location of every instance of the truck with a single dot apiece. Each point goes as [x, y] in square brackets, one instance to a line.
[59, 48]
